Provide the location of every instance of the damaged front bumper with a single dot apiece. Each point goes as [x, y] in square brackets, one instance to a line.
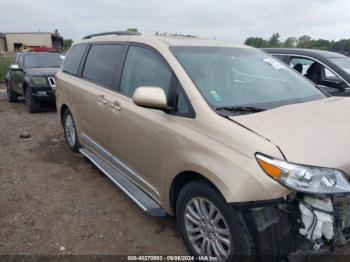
[300, 223]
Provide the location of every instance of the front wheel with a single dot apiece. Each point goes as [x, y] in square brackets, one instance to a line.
[210, 226]
[70, 131]
[32, 105]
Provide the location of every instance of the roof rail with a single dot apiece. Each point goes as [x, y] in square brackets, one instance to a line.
[112, 33]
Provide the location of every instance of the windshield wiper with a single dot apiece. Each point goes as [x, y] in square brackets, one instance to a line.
[249, 109]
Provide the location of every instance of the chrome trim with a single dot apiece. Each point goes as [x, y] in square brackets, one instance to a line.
[113, 180]
[52, 82]
[119, 164]
[312, 58]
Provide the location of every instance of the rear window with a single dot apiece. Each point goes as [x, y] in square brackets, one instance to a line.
[102, 63]
[73, 59]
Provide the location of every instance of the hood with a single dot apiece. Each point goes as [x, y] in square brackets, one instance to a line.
[42, 71]
[313, 133]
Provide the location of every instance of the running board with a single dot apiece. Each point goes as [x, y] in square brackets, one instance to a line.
[145, 202]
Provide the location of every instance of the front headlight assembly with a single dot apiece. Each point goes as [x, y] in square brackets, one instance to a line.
[38, 80]
[302, 178]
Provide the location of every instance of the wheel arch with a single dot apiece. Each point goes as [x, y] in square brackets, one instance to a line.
[185, 177]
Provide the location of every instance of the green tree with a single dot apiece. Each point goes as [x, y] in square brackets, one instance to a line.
[274, 41]
[291, 42]
[257, 42]
[135, 30]
[67, 43]
[304, 41]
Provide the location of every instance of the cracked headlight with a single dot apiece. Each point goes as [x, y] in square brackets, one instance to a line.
[302, 178]
[39, 80]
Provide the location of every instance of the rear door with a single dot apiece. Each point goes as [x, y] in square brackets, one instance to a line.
[95, 95]
[19, 75]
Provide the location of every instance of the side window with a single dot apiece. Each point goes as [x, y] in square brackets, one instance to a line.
[73, 59]
[329, 74]
[182, 106]
[15, 60]
[102, 63]
[20, 61]
[144, 68]
[301, 64]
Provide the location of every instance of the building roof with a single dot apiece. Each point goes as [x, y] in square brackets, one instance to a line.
[35, 33]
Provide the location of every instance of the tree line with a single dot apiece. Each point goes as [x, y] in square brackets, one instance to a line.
[305, 41]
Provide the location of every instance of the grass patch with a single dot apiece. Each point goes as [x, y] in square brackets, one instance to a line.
[5, 61]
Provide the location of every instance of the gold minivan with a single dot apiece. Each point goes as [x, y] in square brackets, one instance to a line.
[251, 158]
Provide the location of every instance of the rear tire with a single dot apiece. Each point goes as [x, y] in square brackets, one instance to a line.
[12, 96]
[206, 220]
[32, 106]
[70, 132]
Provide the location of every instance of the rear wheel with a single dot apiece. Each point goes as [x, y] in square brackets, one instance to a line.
[210, 226]
[70, 132]
[32, 106]
[12, 96]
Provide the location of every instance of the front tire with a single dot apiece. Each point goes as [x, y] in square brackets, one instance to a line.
[70, 131]
[32, 106]
[12, 96]
[209, 226]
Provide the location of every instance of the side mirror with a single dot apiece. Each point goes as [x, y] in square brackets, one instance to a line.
[150, 97]
[334, 82]
[14, 67]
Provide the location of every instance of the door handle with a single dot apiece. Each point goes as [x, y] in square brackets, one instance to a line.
[102, 100]
[115, 106]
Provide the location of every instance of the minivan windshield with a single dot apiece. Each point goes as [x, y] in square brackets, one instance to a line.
[43, 60]
[230, 77]
[343, 63]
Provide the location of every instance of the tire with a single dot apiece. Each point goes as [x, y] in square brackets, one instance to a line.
[70, 132]
[12, 96]
[238, 245]
[32, 106]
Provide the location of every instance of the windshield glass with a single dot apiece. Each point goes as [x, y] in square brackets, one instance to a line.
[43, 60]
[342, 62]
[228, 77]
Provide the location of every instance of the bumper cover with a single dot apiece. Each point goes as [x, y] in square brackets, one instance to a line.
[276, 227]
[42, 93]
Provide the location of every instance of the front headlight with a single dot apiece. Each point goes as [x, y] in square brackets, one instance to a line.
[37, 80]
[302, 178]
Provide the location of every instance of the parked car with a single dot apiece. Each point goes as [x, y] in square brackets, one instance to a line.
[251, 157]
[330, 71]
[32, 75]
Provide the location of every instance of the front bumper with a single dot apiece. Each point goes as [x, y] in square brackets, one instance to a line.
[283, 227]
[42, 93]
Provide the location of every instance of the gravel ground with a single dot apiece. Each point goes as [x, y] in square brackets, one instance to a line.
[55, 202]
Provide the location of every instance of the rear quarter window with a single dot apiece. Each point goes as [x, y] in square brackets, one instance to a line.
[102, 63]
[73, 59]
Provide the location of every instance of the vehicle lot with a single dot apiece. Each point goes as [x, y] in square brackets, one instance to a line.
[53, 201]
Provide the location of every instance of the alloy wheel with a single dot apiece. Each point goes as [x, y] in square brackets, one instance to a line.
[70, 130]
[207, 228]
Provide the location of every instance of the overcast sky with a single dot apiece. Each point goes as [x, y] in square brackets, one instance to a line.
[232, 20]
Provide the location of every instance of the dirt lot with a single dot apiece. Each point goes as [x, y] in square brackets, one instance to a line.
[54, 202]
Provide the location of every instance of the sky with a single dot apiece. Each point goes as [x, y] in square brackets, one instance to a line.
[231, 20]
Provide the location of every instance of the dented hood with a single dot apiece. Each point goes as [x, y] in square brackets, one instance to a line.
[313, 133]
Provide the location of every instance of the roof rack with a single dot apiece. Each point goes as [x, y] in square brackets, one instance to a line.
[112, 33]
